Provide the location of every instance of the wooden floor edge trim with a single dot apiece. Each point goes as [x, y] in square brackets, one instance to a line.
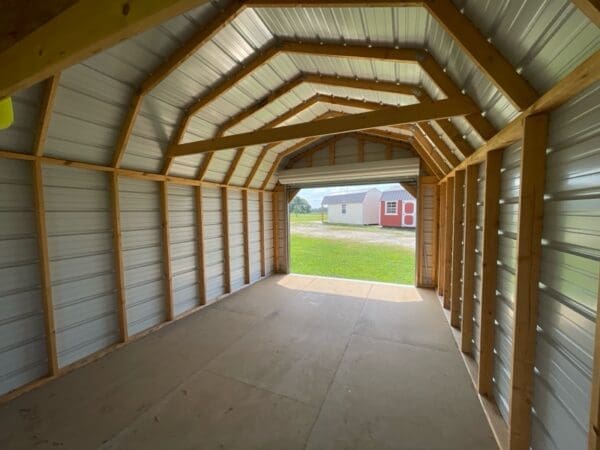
[32, 385]
[490, 409]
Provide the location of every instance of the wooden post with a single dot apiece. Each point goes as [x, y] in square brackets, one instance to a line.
[468, 273]
[261, 219]
[442, 235]
[226, 256]
[275, 232]
[493, 164]
[594, 425]
[457, 240]
[435, 231]
[164, 207]
[332, 154]
[419, 254]
[389, 151]
[118, 251]
[448, 242]
[46, 279]
[361, 150]
[200, 245]
[246, 237]
[529, 248]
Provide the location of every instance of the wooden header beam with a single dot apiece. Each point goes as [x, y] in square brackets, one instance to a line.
[383, 117]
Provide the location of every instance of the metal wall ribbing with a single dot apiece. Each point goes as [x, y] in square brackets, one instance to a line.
[78, 219]
[142, 254]
[22, 341]
[505, 287]
[568, 288]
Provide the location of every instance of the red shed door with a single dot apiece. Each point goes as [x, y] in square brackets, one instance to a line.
[408, 214]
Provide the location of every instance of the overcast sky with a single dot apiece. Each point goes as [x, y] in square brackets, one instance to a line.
[315, 195]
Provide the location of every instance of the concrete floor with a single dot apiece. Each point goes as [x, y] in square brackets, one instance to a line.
[292, 362]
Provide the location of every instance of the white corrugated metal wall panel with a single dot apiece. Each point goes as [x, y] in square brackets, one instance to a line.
[19, 137]
[183, 236]
[478, 262]
[505, 286]
[22, 342]
[78, 219]
[245, 165]
[254, 235]
[213, 243]
[269, 266]
[568, 277]
[236, 239]
[141, 238]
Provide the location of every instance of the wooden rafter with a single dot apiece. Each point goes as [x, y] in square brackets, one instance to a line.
[382, 117]
[78, 32]
[439, 144]
[50, 89]
[438, 162]
[582, 77]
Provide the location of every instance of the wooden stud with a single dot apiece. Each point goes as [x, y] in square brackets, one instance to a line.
[246, 232]
[389, 151]
[436, 234]
[118, 253]
[200, 244]
[493, 165]
[275, 200]
[226, 254]
[372, 119]
[332, 154]
[457, 244]
[448, 242]
[164, 209]
[468, 273]
[261, 219]
[442, 235]
[529, 249]
[50, 88]
[46, 278]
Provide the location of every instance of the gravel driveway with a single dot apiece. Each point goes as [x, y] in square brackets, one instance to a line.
[371, 234]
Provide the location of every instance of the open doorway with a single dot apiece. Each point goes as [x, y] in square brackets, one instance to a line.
[365, 232]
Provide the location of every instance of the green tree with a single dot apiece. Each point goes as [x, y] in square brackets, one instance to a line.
[299, 205]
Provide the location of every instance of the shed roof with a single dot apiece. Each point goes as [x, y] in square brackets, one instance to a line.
[396, 194]
[352, 197]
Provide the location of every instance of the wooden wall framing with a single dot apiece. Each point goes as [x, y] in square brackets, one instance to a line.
[457, 243]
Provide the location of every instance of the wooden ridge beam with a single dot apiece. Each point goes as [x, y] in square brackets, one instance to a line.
[373, 119]
[579, 79]
[45, 276]
[529, 249]
[50, 88]
[78, 32]
[457, 239]
[118, 254]
[468, 272]
[493, 166]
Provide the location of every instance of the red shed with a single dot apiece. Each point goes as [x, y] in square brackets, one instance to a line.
[398, 209]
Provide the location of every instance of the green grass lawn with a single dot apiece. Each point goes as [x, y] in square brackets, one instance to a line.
[309, 217]
[348, 259]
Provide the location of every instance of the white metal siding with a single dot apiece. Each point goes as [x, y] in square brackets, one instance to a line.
[236, 239]
[353, 215]
[183, 235]
[507, 263]
[568, 277]
[78, 219]
[478, 262]
[22, 342]
[141, 239]
[213, 243]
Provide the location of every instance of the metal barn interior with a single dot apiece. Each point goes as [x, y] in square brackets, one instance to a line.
[144, 182]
